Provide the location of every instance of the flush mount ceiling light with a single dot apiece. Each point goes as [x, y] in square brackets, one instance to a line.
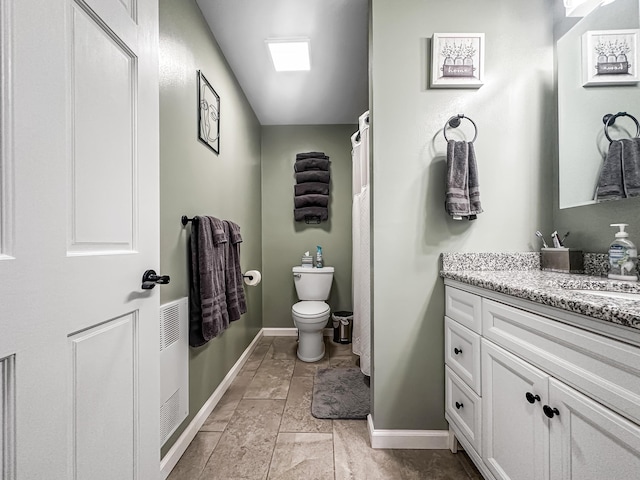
[581, 8]
[289, 54]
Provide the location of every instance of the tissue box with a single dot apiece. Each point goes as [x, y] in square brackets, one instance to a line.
[564, 260]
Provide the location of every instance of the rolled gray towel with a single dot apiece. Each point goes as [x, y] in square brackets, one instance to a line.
[311, 164]
[303, 155]
[311, 200]
[299, 214]
[311, 187]
[313, 176]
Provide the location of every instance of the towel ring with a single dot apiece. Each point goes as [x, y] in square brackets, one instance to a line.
[609, 119]
[454, 122]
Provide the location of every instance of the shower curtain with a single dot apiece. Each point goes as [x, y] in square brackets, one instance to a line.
[361, 222]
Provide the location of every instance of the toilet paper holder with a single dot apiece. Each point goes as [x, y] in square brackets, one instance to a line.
[250, 277]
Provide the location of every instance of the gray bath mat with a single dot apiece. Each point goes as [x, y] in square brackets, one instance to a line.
[340, 393]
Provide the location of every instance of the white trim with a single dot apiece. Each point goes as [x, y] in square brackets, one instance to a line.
[407, 439]
[170, 460]
[289, 332]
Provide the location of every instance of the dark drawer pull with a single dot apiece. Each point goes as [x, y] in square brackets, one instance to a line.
[459, 405]
[550, 412]
[457, 351]
[531, 398]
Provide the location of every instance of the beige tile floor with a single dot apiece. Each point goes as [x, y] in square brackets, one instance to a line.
[262, 428]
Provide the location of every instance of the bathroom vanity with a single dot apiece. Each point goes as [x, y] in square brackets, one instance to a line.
[543, 374]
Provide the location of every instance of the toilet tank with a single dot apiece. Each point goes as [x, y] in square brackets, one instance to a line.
[313, 283]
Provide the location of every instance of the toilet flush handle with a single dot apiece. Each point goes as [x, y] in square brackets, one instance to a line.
[297, 275]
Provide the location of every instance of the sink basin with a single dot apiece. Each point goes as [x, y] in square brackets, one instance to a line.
[606, 293]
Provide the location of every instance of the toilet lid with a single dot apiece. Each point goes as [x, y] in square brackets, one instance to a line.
[310, 309]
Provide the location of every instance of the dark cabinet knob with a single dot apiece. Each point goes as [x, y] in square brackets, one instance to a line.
[457, 351]
[459, 405]
[550, 412]
[531, 398]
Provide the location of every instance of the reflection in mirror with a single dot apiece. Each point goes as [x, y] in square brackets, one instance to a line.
[582, 142]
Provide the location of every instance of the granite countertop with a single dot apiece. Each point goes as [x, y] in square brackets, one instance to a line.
[549, 288]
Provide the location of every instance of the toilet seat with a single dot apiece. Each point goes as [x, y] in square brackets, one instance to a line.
[309, 309]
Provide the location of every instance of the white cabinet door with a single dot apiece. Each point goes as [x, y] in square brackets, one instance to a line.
[78, 227]
[589, 441]
[515, 433]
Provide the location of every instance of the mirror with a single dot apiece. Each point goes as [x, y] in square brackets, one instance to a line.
[582, 145]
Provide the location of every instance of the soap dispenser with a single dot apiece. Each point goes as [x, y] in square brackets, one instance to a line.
[623, 256]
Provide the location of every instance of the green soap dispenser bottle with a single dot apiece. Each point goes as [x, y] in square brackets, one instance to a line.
[623, 256]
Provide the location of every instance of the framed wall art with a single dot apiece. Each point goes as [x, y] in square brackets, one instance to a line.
[610, 57]
[208, 114]
[457, 60]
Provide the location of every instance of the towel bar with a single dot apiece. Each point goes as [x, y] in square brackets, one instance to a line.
[609, 119]
[186, 220]
[312, 219]
[454, 122]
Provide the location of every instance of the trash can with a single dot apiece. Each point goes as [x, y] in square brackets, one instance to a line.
[342, 326]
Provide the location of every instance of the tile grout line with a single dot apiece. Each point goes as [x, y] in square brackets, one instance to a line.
[284, 407]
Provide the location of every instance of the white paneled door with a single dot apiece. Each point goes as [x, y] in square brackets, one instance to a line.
[79, 206]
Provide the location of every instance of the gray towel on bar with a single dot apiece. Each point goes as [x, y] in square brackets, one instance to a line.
[313, 176]
[304, 155]
[462, 188]
[620, 173]
[311, 164]
[311, 200]
[311, 187]
[208, 315]
[234, 288]
[321, 213]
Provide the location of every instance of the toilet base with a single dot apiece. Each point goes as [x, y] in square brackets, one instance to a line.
[310, 346]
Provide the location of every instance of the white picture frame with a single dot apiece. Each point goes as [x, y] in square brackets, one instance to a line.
[457, 60]
[610, 57]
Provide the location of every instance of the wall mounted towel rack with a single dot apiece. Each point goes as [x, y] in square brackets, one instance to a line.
[609, 119]
[186, 220]
[454, 122]
[312, 219]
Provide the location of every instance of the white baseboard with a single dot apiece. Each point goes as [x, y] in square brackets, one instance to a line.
[170, 460]
[407, 439]
[289, 332]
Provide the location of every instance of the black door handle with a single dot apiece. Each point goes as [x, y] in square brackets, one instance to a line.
[457, 351]
[459, 405]
[150, 278]
[550, 412]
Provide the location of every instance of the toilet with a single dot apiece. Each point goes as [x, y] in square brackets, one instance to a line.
[311, 313]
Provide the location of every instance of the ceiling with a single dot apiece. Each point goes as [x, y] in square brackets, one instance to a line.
[335, 91]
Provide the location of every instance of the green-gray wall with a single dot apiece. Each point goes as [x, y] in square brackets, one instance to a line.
[515, 150]
[284, 240]
[195, 181]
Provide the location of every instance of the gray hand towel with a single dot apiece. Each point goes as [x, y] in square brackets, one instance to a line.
[322, 213]
[303, 155]
[311, 164]
[311, 187]
[234, 288]
[313, 176]
[462, 187]
[620, 173]
[208, 315]
[311, 200]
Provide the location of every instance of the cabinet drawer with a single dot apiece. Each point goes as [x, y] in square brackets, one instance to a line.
[606, 370]
[464, 408]
[462, 353]
[464, 308]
